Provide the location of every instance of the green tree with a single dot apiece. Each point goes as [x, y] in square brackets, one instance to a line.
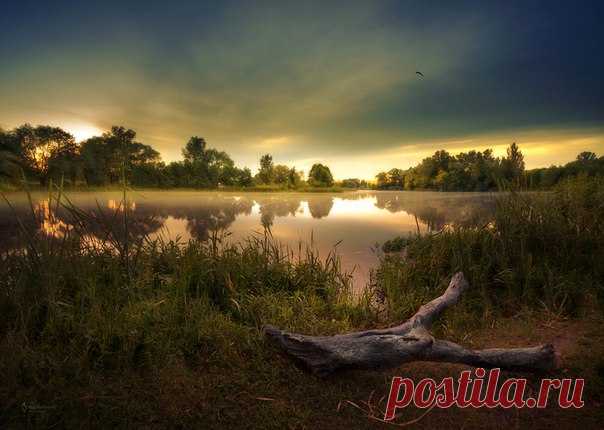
[441, 160]
[266, 172]
[177, 175]
[382, 180]
[207, 167]
[442, 180]
[320, 176]
[281, 174]
[244, 178]
[220, 168]
[295, 178]
[352, 183]
[396, 179]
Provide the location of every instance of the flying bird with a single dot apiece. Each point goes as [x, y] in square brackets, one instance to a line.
[419, 73]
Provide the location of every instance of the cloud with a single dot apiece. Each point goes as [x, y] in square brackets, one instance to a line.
[322, 81]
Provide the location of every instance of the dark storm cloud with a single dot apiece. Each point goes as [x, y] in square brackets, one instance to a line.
[304, 80]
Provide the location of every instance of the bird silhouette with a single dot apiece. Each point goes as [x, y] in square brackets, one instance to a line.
[419, 73]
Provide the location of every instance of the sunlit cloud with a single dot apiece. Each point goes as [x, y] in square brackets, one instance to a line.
[312, 81]
[273, 143]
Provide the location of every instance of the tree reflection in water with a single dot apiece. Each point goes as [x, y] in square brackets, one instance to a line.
[435, 210]
[320, 206]
[204, 213]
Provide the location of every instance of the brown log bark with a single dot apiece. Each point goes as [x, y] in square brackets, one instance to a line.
[409, 341]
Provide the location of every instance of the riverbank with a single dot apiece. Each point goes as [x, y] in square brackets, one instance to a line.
[6, 188]
[128, 331]
[262, 389]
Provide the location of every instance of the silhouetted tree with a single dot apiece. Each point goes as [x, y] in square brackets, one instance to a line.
[10, 160]
[41, 146]
[513, 164]
[116, 156]
[194, 149]
[46, 152]
[586, 156]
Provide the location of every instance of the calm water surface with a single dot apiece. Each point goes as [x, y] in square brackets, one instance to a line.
[356, 221]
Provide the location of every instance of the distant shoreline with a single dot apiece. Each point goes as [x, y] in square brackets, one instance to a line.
[337, 190]
[37, 188]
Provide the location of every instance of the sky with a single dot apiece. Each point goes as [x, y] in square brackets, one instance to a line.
[327, 81]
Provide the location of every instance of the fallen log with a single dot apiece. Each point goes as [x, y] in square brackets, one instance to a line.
[409, 341]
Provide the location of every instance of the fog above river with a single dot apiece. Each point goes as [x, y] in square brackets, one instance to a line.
[356, 221]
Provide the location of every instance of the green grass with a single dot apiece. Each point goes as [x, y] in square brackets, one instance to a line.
[72, 315]
[126, 331]
[541, 252]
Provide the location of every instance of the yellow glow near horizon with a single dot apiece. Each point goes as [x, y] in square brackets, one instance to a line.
[540, 149]
[82, 132]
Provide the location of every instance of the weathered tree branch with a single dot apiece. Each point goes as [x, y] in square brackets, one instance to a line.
[409, 341]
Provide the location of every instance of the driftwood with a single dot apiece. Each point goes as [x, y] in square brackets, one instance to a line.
[409, 341]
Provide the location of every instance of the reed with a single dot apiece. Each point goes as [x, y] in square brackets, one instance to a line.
[103, 324]
[541, 252]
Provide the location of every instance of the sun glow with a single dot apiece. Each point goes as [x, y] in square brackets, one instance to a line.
[82, 132]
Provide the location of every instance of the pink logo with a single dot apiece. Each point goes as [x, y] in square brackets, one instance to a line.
[469, 392]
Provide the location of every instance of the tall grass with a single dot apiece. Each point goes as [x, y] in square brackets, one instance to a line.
[542, 251]
[86, 312]
[102, 299]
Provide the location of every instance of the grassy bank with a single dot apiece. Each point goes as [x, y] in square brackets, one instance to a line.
[123, 331]
[81, 316]
[542, 251]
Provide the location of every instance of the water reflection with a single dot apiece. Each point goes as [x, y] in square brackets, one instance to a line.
[275, 206]
[121, 205]
[320, 207]
[50, 224]
[217, 213]
[358, 219]
[436, 211]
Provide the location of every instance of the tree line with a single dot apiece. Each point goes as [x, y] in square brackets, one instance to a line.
[482, 171]
[44, 153]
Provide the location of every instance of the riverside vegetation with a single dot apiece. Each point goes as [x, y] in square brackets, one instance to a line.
[119, 329]
[44, 153]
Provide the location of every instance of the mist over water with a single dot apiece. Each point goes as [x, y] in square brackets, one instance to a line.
[354, 222]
